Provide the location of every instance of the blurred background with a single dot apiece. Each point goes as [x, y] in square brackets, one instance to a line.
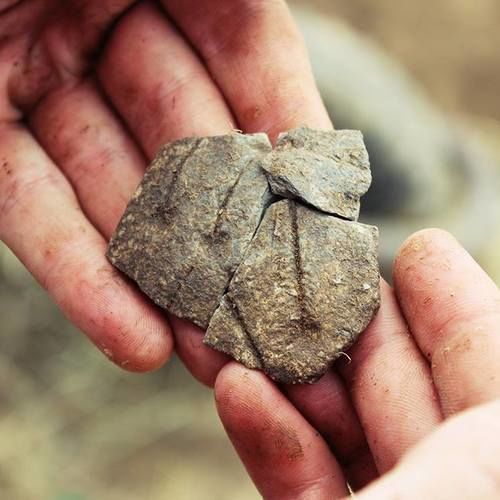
[421, 80]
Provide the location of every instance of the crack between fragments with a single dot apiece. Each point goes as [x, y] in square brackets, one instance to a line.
[272, 199]
[267, 203]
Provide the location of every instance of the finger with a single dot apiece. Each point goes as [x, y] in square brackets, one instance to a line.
[90, 145]
[328, 407]
[453, 310]
[284, 455]
[40, 220]
[164, 93]
[391, 386]
[261, 65]
[157, 83]
[88, 21]
[202, 361]
[460, 460]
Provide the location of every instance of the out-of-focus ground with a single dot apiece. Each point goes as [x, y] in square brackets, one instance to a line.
[74, 427]
[451, 46]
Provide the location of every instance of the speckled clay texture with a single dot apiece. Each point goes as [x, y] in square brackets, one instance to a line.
[259, 246]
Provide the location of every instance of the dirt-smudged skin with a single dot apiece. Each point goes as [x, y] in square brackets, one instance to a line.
[191, 220]
[307, 288]
[283, 285]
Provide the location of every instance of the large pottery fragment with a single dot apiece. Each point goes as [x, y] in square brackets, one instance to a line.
[259, 246]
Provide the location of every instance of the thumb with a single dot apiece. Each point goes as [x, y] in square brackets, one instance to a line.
[459, 460]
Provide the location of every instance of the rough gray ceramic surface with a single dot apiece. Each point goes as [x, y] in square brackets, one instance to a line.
[329, 170]
[283, 285]
[191, 220]
[307, 287]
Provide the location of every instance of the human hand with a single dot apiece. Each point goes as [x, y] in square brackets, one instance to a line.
[417, 406]
[86, 99]
[89, 91]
